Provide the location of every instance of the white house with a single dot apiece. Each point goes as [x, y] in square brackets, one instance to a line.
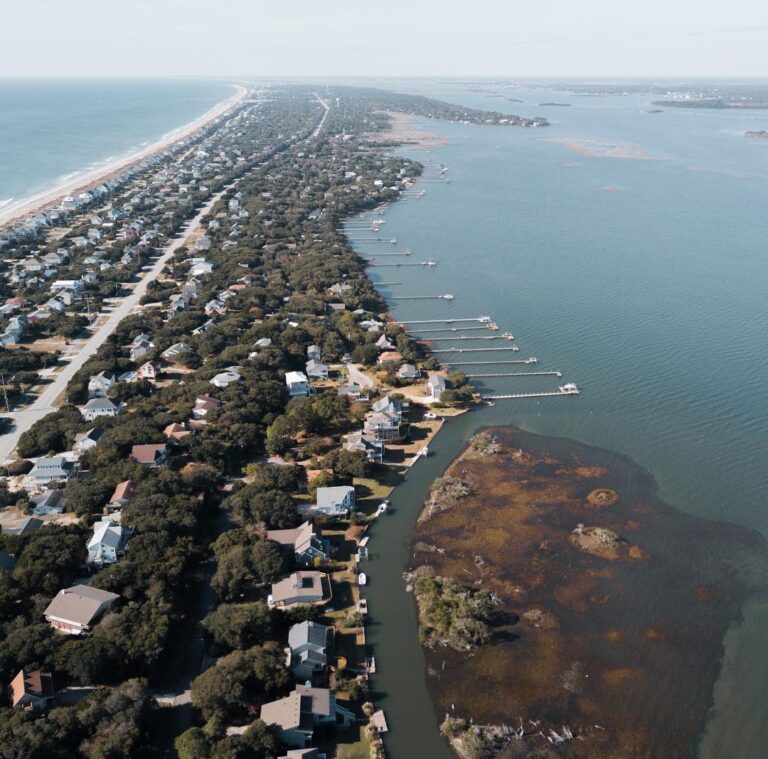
[435, 387]
[316, 369]
[308, 643]
[49, 469]
[84, 441]
[98, 384]
[107, 543]
[227, 377]
[97, 407]
[408, 371]
[382, 425]
[335, 501]
[297, 383]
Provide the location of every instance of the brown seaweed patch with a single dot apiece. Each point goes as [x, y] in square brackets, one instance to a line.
[619, 624]
[602, 497]
[619, 675]
[590, 472]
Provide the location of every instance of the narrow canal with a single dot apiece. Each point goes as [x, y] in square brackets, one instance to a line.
[399, 685]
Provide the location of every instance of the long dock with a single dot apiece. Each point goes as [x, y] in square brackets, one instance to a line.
[447, 296]
[389, 253]
[484, 328]
[495, 363]
[373, 265]
[512, 348]
[482, 319]
[516, 374]
[467, 337]
[506, 396]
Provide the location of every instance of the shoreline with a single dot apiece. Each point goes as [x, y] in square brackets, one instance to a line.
[34, 204]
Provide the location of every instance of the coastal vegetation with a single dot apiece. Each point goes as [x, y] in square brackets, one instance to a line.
[452, 615]
[239, 455]
[550, 543]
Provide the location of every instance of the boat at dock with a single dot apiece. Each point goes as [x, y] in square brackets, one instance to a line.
[362, 579]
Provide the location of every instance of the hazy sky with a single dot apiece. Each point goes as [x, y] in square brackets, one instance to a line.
[386, 38]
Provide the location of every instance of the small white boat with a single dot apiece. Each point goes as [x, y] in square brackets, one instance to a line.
[362, 579]
[383, 506]
[424, 451]
[508, 336]
[569, 388]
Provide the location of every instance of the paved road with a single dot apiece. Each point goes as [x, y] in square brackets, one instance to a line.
[44, 404]
[356, 375]
[319, 127]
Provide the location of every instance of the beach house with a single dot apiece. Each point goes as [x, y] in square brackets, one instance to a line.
[75, 610]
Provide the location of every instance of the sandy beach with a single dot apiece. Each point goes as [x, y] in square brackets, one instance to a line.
[83, 182]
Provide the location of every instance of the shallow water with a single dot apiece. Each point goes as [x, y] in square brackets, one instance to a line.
[651, 296]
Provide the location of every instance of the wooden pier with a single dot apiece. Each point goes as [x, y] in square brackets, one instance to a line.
[495, 363]
[509, 396]
[467, 337]
[516, 374]
[482, 319]
[484, 328]
[447, 296]
[372, 265]
[512, 348]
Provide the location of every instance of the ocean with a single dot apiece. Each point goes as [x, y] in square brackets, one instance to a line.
[626, 249]
[52, 129]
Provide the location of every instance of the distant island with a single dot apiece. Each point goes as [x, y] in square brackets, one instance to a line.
[559, 105]
[715, 103]
[760, 134]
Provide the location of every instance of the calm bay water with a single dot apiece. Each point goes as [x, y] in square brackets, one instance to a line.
[644, 281]
[52, 128]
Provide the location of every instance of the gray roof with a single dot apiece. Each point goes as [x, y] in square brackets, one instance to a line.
[100, 403]
[305, 633]
[25, 527]
[334, 495]
[51, 467]
[79, 604]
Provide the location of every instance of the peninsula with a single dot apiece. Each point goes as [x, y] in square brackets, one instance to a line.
[208, 405]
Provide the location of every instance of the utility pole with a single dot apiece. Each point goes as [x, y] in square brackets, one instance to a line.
[5, 395]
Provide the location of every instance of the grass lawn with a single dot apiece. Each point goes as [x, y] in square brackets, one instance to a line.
[349, 748]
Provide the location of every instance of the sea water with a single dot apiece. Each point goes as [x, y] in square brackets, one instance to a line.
[627, 249]
[51, 130]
